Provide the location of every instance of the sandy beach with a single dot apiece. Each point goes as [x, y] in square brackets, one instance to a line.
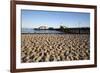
[54, 47]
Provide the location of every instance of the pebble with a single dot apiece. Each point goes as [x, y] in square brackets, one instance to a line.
[54, 47]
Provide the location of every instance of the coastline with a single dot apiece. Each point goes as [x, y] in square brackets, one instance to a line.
[54, 47]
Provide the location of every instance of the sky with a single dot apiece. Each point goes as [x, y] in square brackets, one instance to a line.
[37, 18]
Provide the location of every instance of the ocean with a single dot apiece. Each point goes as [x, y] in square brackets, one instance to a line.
[27, 30]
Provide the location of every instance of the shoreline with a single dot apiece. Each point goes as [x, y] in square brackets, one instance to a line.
[54, 47]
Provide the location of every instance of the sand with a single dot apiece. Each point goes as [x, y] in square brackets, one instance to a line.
[54, 47]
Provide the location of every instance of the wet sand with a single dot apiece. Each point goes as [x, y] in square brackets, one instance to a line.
[54, 47]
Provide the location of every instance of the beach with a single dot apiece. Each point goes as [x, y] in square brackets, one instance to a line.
[54, 47]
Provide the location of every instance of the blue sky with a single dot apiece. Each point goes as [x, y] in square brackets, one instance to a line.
[36, 18]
